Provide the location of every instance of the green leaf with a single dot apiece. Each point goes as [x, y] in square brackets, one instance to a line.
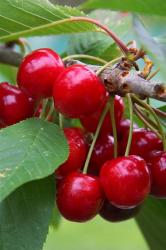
[99, 44]
[157, 51]
[156, 7]
[56, 218]
[25, 216]
[152, 221]
[8, 73]
[20, 18]
[29, 150]
[163, 119]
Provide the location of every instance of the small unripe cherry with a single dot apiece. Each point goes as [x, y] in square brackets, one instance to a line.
[79, 197]
[125, 181]
[38, 72]
[78, 91]
[15, 105]
[90, 122]
[77, 152]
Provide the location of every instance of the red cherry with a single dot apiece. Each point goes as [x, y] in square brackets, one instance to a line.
[78, 91]
[77, 152]
[38, 72]
[143, 141]
[79, 197]
[157, 166]
[90, 122]
[126, 181]
[115, 214]
[124, 127]
[102, 152]
[15, 105]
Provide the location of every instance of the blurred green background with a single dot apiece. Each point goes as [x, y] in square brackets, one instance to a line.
[97, 234]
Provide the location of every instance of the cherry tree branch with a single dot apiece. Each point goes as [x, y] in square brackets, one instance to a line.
[8, 56]
[118, 79]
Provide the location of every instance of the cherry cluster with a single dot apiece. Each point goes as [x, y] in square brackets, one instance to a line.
[112, 187]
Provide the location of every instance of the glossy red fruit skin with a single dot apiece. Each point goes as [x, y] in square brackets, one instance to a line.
[126, 181]
[157, 167]
[79, 197]
[90, 122]
[15, 105]
[124, 127]
[38, 72]
[143, 142]
[115, 214]
[78, 91]
[102, 152]
[78, 149]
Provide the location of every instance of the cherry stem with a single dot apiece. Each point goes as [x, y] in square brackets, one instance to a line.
[121, 45]
[44, 104]
[51, 110]
[159, 112]
[37, 105]
[107, 65]
[112, 114]
[60, 120]
[105, 110]
[143, 112]
[152, 74]
[145, 121]
[152, 112]
[94, 58]
[147, 113]
[131, 125]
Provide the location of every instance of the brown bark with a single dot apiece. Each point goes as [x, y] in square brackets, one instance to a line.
[120, 79]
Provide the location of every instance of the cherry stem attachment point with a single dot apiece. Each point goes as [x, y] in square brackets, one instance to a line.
[94, 58]
[105, 110]
[131, 125]
[112, 115]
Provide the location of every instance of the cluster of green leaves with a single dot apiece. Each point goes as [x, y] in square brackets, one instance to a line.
[31, 150]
